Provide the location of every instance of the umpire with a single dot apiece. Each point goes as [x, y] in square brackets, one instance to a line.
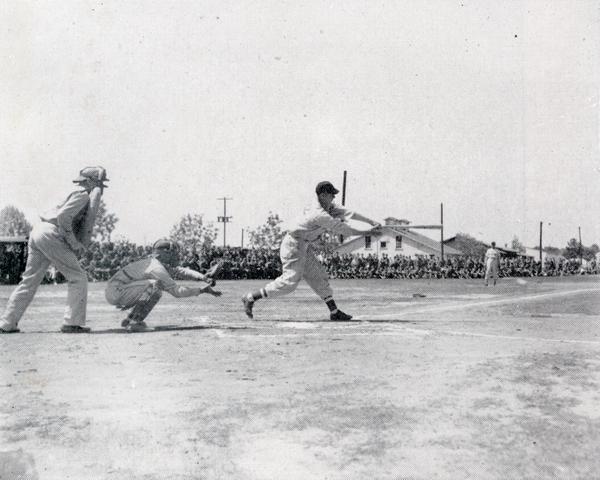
[63, 232]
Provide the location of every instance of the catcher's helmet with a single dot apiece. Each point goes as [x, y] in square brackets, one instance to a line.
[166, 245]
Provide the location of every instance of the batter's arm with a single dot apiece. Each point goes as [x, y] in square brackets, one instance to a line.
[362, 218]
[340, 227]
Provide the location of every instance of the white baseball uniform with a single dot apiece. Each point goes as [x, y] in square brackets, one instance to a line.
[297, 251]
[131, 282]
[53, 241]
[492, 257]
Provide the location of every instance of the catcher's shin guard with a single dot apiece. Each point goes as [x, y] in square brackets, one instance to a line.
[146, 303]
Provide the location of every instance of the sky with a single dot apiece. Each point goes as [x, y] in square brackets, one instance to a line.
[491, 108]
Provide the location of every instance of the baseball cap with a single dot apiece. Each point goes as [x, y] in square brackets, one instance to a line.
[326, 187]
[92, 173]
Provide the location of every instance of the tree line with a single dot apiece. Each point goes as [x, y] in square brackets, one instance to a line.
[195, 234]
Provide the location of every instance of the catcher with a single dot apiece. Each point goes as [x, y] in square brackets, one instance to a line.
[139, 285]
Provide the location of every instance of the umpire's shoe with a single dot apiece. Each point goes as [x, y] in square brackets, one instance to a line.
[9, 330]
[340, 316]
[248, 304]
[74, 329]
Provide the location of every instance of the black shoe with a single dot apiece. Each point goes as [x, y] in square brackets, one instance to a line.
[125, 322]
[9, 330]
[248, 304]
[137, 327]
[74, 329]
[340, 316]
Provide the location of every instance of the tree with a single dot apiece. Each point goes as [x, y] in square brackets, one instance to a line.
[13, 222]
[515, 244]
[192, 234]
[268, 235]
[469, 245]
[105, 224]
[572, 249]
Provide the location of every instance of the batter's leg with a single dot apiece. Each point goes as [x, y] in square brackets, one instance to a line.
[316, 276]
[292, 253]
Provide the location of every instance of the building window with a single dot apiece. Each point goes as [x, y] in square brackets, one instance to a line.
[383, 245]
[398, 242]
[368, 242]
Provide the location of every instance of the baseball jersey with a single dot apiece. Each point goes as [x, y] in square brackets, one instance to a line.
[151, 269]
[492, 254]
[69, 216]
[315, 220]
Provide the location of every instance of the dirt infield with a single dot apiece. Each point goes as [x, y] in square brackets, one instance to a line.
[459, 381]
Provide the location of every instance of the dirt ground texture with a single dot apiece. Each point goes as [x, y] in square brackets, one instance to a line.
[461, 381]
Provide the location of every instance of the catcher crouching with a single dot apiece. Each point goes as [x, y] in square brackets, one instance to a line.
[139, 285]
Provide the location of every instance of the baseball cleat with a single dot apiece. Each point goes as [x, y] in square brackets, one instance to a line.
[74, 329]
[137, 327]
[248, 304]
[125, 322]
[340, 316]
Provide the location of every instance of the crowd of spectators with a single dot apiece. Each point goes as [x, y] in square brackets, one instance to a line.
[398, 266]
[12, 261]
[103, 260]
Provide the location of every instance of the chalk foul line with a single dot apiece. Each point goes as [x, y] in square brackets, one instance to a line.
[462, 306]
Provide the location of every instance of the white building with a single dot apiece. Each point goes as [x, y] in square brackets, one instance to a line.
[535, 254]
[395, 241]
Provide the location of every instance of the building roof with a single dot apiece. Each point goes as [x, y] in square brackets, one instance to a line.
[419, 239]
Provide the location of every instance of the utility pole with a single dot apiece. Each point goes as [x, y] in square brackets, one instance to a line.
[541, 223]
[224, 219]
[442, 229]
[580, 249]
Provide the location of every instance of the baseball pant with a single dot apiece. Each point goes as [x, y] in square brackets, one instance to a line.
[491, 270]
[299, 262]
[142, 295]
[126, 295]
[47, 246]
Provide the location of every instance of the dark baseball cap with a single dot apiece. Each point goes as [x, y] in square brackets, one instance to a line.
[326, 187]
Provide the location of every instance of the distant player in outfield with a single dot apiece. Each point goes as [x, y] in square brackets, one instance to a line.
[492, 259]
[62, 233]
[139, 285]
[298, 256]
